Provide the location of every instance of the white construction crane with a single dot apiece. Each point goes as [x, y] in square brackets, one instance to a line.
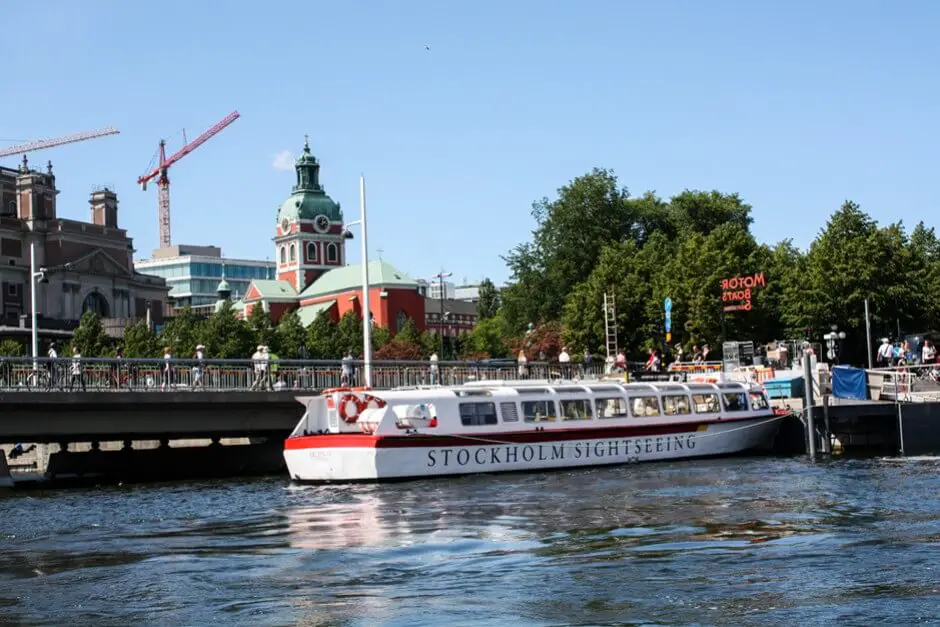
[41, 144]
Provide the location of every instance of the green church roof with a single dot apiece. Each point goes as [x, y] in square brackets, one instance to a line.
[309, 313]
[347, 278]
[274, 290]
[308, 198]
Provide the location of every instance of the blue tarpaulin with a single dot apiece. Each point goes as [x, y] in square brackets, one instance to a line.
[849, 382]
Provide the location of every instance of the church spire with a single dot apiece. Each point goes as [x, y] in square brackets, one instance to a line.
[308, 171]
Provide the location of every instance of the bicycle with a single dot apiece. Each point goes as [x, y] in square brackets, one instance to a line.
[42, 380]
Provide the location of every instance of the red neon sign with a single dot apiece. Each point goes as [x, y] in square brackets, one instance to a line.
[736, 292]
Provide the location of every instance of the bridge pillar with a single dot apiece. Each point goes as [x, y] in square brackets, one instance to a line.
[6, 480]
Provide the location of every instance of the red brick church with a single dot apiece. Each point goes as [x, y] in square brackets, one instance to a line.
[312, 275]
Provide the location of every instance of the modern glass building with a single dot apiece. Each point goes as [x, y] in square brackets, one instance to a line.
[194, 272]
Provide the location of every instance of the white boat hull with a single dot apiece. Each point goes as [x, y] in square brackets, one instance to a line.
[360, 457]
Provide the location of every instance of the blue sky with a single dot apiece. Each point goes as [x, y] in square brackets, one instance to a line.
[795, 105]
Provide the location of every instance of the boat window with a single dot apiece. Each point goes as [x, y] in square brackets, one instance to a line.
[569, 390]
[676, 405]
[735, 401]
[478, 414]
[758, 401]
[537, 411]
[531, 390]
[615, 407]
[576, 409]
[706, 403]
[509, 412]
[644, 406]
[605, 388]
[474, 393]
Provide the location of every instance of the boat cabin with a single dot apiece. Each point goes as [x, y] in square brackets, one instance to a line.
[506, 406]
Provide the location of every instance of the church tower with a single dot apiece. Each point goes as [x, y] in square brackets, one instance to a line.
[309, 239]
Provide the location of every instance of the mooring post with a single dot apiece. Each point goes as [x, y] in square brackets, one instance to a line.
[808, 409]
[897, 401]
[827, 434]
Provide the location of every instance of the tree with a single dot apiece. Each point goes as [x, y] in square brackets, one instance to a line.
[89, 337]
[408, 333]
[350, 333]
[380, 337]
[488, 303]
[489, 338]
[11, 348]
[397, 350]
[260, 325]
[589, 213]
[703, 212]
[183, 332]
[140, 341]
[226, 335]
[323, 338]
[290, 336]
[543, 341]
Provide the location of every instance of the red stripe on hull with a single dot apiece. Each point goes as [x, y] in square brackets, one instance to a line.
[359, 440]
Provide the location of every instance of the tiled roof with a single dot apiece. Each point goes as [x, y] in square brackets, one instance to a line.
[273, 290]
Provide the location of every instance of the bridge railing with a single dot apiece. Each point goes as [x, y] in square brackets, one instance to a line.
[92, 374]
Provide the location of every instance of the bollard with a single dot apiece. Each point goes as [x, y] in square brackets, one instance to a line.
[808, 409]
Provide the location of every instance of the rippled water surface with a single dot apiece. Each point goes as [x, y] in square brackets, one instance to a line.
[738, 541]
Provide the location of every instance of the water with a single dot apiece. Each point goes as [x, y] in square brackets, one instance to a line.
[736, 541]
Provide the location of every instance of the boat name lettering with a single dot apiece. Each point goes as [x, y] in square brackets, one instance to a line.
[629, 448]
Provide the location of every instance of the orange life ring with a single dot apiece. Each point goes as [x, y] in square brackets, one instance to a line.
[344, 402]
[369, 400]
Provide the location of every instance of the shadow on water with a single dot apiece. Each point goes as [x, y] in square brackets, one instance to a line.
[735, 541]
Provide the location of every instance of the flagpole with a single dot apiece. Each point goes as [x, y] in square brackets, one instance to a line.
[366, 317]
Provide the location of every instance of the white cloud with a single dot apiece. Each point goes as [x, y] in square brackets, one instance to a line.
[283, 160]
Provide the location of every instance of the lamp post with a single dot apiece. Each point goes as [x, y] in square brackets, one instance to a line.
[441, 276]
[832, 342]
[364, 253]
[35, 278]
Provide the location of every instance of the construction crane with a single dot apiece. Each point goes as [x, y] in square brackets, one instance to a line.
[41, 144]
[163, 181]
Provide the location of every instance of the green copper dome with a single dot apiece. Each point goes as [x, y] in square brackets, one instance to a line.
[224, 287]
[308, 199]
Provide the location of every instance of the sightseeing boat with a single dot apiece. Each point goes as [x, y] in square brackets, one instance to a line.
[358, 434]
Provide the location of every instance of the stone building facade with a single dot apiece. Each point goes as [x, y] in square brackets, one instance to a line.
[86, 265]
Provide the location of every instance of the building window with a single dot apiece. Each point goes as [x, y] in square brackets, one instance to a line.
[331, 253]
[312, 252]
[12, 289]
[97, 303]
[400, 321]
[283, 254]
[293, 253]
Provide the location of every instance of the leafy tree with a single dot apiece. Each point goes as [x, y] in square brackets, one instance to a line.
[589, 212]
[350, 333]
[380, 337]
[90, 337]
[703, 212]
[11, 348]
[261, 327]
[323, 338]
[409, 334]
[542, 341]
[140, 341]
[183, 332]
[227, 336]
[399, 350]
[489, 338]
[290, 336]
[488, 303]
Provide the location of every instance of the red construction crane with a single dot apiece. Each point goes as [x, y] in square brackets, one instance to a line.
[33, 146]
[163, 181]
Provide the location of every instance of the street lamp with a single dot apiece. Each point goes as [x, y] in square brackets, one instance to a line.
[364, 253]
[35, 278]
[441, 276]
[832, 342]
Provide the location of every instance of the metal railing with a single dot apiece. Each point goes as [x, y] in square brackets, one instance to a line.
[24, 374]
[909, 383]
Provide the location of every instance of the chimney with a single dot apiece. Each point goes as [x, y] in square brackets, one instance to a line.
[104, 208]
[35, 194]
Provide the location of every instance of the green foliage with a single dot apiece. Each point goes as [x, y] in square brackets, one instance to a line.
[290, 336]
[12, 348]
[89, 337]
[350, 334]
[488, 303]
[260, 325]
[140, 341]
[380, 337]
[225, 335]
[323, 338]
[182, 333]
[489, 339]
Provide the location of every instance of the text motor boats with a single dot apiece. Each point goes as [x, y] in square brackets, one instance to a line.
[356, 434]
